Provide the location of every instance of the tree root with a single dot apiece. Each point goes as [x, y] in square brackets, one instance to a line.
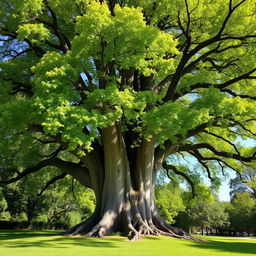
[133, 230]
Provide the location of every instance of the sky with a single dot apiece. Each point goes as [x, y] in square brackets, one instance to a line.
[224, 191]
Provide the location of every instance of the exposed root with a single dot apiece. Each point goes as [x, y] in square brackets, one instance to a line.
[97, 231]
[133, 234]
[134, 231]
[133, 226]
[169, 230]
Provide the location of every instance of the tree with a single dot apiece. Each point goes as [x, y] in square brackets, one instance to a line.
[169, 201]
[54, 207]
[244, 182]
[4, 214]
[242, 212]
[204, 212]
[105, 91]
[208, 215]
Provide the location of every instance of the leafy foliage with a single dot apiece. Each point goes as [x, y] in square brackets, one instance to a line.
[169, 201]
[242, 212]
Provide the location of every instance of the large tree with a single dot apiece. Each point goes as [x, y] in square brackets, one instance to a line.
[106, 91]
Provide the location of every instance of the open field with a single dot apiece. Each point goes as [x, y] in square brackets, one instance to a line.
[41, 243]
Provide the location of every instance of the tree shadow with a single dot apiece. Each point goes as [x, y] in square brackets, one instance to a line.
[153, 237]
[232, 245]
[15, 239]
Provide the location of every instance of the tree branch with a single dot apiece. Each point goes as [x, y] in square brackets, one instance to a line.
[221, 86]
[239, 157]
[227, 141]
[63, 40]
[182, 174]
[76, 170]
[188, 55]
[52, 181]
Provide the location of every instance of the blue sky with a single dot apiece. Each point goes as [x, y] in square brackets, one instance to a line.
[224, 190]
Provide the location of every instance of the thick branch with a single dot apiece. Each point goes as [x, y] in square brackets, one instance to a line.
[170, 147]
[64, 41]
[188, 55]
[76, 170]
[33, 169]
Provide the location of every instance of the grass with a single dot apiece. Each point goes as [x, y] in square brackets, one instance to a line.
[42, 243]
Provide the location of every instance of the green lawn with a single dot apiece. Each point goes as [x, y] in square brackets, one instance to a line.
[46, 243]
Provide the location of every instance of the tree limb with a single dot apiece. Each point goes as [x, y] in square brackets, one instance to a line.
[52, 181]
[239, 157]
[176, 171]
[76, 170]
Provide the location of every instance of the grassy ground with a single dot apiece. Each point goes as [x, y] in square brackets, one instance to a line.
[46, 243]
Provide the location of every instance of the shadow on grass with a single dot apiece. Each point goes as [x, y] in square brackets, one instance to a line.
[234, 246]
[27, 238]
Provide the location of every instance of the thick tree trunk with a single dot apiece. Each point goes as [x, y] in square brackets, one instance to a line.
[125, 199]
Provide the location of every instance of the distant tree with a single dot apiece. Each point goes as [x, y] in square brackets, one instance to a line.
[207, 215]
[242, 212]
[27, 201]
[244, 182]
[169, 201]
[204, 212]
[4, 214]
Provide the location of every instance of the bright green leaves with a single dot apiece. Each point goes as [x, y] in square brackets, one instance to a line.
[169, 201]
[88, 88]
[33, 32]
[54, 79]
[123, 38]
[170, 119]
[54, 103]
[112, 104]
[221, 105]
[28, 8]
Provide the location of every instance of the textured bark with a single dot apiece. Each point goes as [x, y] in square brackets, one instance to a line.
[125, 198]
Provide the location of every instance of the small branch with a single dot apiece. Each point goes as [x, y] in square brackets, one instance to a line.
[176, 171]
[222, 86]
[227, 141]
[188, 147]
[63, 40]
[52, 181]
[243, 96]
[242, 126]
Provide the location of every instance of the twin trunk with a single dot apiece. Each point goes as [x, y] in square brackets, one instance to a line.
[125, 200]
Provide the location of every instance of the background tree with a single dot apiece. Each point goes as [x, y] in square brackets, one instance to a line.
[244, 182]
[107, 90]
[209, 216]
[4, 214]
[242, 212]
[204, 212]
[61, 205]
[169, 201]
